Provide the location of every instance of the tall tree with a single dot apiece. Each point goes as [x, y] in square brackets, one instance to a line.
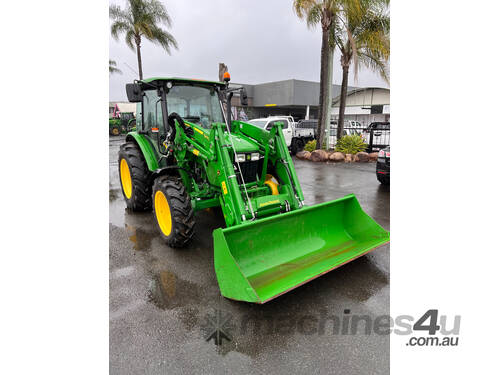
[113, 68]
[362, 36]
[321, 12]
[142, 18]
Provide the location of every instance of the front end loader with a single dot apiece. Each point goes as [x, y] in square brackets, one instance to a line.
[188, 155]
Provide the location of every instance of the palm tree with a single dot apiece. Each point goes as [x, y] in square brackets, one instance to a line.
[321, 12]
[142, 18]
[362, 35]
[113, 68]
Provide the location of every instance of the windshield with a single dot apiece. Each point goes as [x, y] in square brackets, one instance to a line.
[259, 123]
[196, 104]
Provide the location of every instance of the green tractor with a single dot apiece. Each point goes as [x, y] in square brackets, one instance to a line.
[121, 122]
[114, 126]
[187, 155]
[127, 122]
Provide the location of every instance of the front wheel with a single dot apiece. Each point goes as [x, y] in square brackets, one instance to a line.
[173, 211]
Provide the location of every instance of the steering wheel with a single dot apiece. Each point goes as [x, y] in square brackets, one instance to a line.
[174, 116]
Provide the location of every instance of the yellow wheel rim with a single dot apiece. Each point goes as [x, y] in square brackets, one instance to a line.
[115, 131]
[272, 185]
[162, 210]
[125, 178]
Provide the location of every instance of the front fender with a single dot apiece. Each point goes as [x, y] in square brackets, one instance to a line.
[150, 154]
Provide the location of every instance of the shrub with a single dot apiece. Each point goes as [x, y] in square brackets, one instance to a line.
[350, 144]
[310, 146]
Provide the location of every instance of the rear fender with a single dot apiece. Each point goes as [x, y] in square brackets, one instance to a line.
[148, 151]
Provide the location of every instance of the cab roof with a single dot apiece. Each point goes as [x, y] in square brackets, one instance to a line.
[183, 80]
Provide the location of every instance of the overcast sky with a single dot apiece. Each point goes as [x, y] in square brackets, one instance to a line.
[260, 41]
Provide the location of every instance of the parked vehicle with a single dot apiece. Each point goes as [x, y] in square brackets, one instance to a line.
[114, 126]
[296, 136]
[346, 131]
[127, 121]
[383, 165]
[377, 135]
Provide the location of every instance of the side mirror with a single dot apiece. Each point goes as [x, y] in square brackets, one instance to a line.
[243, 97]
[134, 93]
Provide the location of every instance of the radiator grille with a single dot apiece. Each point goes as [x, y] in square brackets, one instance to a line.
[250, 171]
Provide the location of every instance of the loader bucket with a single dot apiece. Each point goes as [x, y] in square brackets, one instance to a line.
[258, 261]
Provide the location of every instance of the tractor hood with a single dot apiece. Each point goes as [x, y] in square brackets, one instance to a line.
[241, 145]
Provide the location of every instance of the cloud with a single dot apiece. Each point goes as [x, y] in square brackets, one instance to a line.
[259, 41]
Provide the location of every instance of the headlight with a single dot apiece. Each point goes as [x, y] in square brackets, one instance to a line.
[240, 158]
[255, 156]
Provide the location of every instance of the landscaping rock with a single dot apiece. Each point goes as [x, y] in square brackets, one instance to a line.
[337, 157]
[362, 157]
[319, 155]
[348, 158]
[373, 156]
[302, 154]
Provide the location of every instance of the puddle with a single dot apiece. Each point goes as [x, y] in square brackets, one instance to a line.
[168, 291]
[140, 238]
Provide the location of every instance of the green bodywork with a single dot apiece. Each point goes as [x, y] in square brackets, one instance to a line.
[272, 243]
[125, 123]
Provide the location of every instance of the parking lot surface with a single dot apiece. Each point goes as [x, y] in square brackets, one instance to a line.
[165, 303]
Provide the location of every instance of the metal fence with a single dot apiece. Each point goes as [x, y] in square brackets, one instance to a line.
[377, 138]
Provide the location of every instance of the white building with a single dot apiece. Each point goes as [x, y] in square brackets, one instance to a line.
[365, 105]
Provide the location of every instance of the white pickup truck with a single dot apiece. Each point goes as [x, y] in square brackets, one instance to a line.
[296, 136]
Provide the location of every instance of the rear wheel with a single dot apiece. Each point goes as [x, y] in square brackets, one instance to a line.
[115, 130]
[173, 211]
[384, 180]
[134, 177]
[293, 147]
[300, 145]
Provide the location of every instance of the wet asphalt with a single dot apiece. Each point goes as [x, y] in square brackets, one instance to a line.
[165, 303]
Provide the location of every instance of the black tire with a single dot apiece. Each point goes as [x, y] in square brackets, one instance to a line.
[140, 197]
[293, 146]
[179, 207]
[383, 179]
[300, 145]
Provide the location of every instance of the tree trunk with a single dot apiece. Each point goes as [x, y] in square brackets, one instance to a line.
[323, 87]
[328, 96]
[139, 60]
[343, 97]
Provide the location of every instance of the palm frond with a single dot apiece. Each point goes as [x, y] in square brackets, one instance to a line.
[142, 18]
[364, 36]
[119, 27]
[113, 68]
[163, 38]
[130, 38]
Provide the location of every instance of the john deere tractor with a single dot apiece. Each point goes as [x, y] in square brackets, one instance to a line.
[188, 155]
